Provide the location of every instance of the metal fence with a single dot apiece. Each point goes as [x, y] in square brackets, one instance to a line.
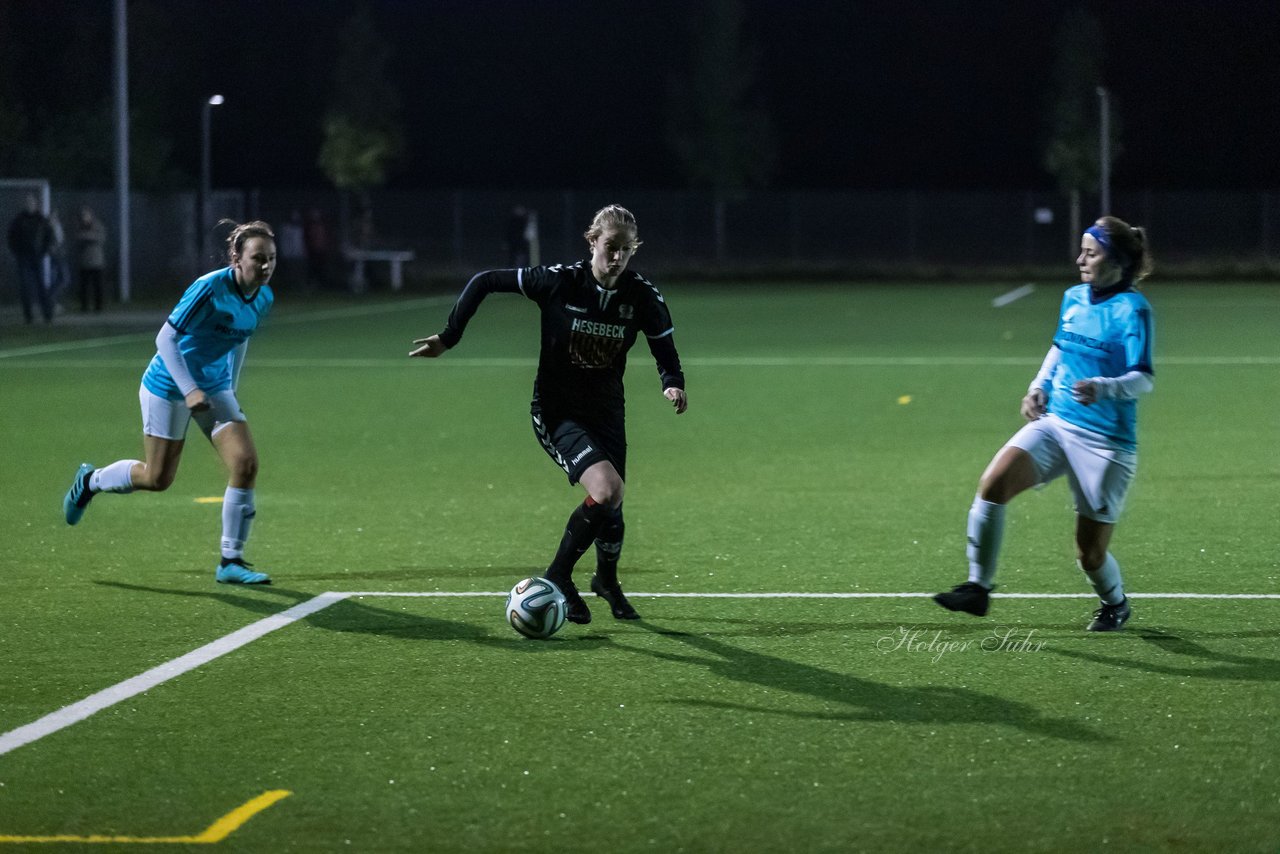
[854, 234]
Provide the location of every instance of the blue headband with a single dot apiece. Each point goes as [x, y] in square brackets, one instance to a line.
[1100, 235]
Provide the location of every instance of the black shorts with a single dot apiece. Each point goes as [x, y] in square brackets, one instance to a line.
[575, 446]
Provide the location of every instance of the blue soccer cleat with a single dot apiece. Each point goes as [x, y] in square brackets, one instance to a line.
[234, 570]
[78, 496]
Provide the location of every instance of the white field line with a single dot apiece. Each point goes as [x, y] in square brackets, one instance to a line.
[82, 344]
[289, 320]
[1015, 294]
[695, 362]
[1136, 596]
[94, 703]
[943, 361]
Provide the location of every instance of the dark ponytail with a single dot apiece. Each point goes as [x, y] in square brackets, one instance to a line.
[242, 232]
[1131, 247]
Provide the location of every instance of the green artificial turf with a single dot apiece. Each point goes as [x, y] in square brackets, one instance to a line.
[832, 446]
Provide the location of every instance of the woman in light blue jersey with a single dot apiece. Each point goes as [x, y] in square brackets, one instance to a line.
[194, 376]
[1082, 409]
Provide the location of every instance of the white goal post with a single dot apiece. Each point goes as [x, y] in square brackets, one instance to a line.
[13, 193]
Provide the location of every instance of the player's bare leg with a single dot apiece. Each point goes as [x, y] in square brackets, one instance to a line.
[155, 474]
[234, 443]
[1093, 539]
[158, 471]
[1011, 472]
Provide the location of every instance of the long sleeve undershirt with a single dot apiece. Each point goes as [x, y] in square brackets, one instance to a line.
[167, 347]
[1127, 386]
[237, 362]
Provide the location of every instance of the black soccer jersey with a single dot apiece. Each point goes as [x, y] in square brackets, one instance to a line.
[586, 332]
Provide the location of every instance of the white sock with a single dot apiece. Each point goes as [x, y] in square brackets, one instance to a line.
[1106, 581]
[986, 531]
[237, 518]
[117, 477]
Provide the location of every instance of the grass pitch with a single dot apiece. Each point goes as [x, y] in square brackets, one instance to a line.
[833, 442]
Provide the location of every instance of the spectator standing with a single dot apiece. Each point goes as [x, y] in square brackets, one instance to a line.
[60, 269]
[293, 249]
[30, 241]
[315, 235]
[91, 239]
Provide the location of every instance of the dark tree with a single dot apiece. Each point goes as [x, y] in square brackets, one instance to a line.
[723, 137]
[363, 134]
[1073, 151]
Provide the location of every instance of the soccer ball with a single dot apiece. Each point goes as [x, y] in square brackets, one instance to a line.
[536, 608]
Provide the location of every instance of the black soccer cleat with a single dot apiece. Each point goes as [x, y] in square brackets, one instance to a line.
[576, 610]
[970, 597]
[617, 600]
[1110, 618]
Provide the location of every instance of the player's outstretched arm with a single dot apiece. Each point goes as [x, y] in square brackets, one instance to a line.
[480, 286]
[678, 399]
[428, 348]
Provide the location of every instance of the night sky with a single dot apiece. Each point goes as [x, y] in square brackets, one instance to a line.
[550, 94]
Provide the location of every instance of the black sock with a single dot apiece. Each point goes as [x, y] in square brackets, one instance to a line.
[609, 548]
[579, 532]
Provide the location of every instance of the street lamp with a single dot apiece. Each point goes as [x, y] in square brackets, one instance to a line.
[202, 203]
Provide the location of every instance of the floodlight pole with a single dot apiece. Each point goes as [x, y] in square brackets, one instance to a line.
[1104, 150]
[202, 201]
[121, 74]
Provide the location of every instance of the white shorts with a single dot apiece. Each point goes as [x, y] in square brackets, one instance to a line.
[1099, 473]
[168, 419]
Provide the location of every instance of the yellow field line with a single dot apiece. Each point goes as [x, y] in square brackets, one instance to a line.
[216, 832]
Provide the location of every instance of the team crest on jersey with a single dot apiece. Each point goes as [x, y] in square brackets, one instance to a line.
[626, 312]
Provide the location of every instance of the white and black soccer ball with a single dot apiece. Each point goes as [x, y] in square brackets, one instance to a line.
[536, 608]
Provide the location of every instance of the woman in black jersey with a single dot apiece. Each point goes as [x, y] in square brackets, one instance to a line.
[592, 312]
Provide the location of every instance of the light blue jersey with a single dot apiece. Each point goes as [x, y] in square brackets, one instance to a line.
[1108, 338]
[212, 319]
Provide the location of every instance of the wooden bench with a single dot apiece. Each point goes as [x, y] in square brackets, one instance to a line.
[394, 257]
